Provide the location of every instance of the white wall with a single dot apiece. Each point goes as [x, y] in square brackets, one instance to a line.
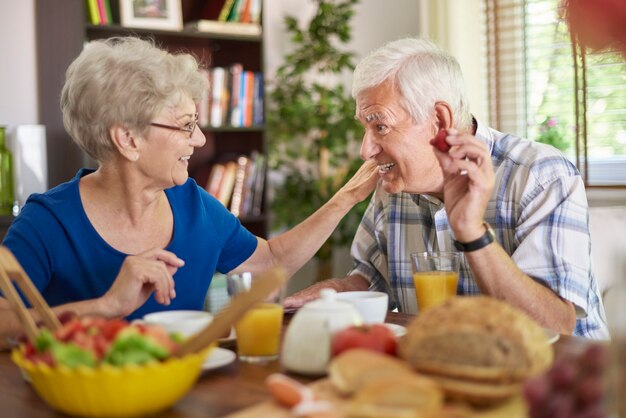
[18, 83]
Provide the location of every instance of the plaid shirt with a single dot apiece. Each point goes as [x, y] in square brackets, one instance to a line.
[538, 211]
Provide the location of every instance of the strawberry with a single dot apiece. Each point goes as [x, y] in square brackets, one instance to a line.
[439, 141]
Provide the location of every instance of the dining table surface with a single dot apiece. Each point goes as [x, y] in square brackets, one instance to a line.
[217, 393]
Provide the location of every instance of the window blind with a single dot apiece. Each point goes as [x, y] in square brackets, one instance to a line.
[545, 88]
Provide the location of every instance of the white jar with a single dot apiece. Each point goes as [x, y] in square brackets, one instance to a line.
[306, 348]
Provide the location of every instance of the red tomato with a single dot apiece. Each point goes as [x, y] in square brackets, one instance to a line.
[69, 330]
[439, 141]
[110, 328]
[375, 337]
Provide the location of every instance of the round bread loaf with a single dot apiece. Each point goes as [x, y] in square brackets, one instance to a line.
[478, 338]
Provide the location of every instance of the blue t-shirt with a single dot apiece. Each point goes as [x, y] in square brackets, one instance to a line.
[68, 260]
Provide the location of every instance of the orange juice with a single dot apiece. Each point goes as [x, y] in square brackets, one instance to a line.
[258, 332]
[433, 287]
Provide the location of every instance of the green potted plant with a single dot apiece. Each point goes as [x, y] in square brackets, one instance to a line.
[313, 137]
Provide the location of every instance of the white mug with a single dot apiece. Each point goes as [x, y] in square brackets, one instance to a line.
[371, 305]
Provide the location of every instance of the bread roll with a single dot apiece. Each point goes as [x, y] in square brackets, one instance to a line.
[356, 367]
[400, 396]
[478, 338]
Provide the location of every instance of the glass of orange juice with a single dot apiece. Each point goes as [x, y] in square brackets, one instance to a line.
[258, 331]
[435, 275]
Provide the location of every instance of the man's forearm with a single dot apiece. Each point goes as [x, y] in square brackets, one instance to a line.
[498, 276]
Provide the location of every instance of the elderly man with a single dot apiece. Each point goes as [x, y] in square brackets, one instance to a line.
[516, 208]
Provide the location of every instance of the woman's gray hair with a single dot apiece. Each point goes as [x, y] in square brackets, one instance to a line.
[423, 75]
[126, 81]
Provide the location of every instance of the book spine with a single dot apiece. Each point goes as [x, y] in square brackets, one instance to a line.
[217, 75]
[257, 112]
[94, 14]
[249, 98]
[235, 109]
[102, 12]
[228, 5]
[228, 181]
[215, 179]
[245, 14]
[240, 177]
[233, 16]
[108, 11]
[203, 107]
[259, 184]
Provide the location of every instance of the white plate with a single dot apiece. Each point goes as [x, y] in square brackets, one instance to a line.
[551, 335]
[219, 357]
[398, 330]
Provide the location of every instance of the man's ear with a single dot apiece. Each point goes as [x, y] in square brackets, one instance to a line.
[443, 116]
[125, 142]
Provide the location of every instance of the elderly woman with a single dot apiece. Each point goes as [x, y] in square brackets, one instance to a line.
[137, 235]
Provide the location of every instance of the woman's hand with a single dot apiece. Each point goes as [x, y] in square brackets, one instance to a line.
[468, 184]
[362, 182]
[139, 276]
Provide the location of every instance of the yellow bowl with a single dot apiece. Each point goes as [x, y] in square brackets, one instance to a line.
[108, 391]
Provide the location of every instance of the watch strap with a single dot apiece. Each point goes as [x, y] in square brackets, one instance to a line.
[487, 238]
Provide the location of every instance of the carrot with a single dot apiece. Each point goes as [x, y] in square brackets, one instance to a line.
[287, 391]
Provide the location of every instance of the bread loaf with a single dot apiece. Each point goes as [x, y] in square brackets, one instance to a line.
[478, 348]
[477, 337]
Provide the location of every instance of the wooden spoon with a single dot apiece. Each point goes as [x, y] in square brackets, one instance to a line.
[10, 269]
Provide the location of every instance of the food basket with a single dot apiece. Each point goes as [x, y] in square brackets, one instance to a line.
[108, 391]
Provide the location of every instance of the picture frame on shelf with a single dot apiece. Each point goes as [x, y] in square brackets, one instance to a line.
[151, 14]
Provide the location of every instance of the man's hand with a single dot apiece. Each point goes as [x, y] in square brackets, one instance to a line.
[139, 276]
[354, 282]
[298, 299]
[468, 184]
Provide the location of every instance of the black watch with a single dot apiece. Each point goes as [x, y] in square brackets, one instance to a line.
[487, 238]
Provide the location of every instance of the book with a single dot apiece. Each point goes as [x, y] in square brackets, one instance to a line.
[249, 99]
[233, 16]
[93, 12]
[226, 28]
[215, 178]
[204, 109]
[102, 12]
[259, 184]
[236, 70]
[228, 182]
[240, 178]
[257, 112]
[218, 83]
[226, 8]
[244, 17]
[255, 11]
[108, 11]
[248, 187]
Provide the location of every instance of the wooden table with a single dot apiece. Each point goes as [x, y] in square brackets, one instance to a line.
[217, 393]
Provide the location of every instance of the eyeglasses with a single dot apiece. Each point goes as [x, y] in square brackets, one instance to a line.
[189, 128]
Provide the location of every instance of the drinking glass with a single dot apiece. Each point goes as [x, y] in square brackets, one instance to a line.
[258, 331]
[435, 275]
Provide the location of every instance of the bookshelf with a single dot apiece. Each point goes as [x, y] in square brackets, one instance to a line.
[64, 22]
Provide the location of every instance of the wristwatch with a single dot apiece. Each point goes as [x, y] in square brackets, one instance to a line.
[487, 238]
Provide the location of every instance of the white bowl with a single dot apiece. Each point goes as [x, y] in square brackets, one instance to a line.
[186, 323]
[371, 305]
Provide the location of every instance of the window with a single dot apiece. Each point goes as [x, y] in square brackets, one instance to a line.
[545, 88]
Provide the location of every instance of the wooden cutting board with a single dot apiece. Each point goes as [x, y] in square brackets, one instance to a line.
[514, 408]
